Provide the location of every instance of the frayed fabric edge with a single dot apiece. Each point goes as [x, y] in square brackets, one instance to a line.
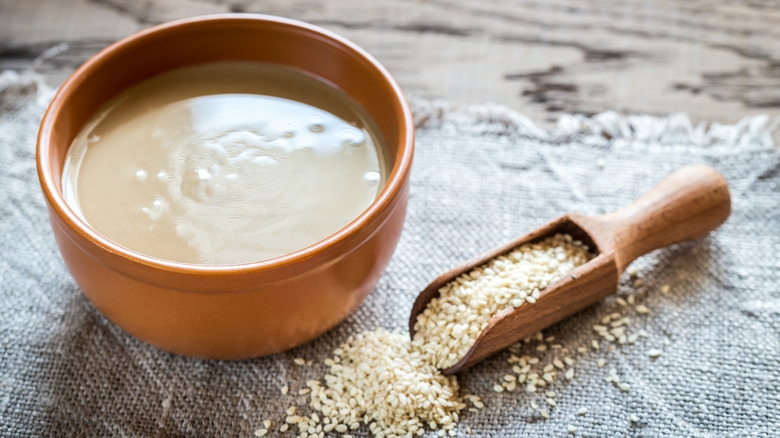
[607, 129]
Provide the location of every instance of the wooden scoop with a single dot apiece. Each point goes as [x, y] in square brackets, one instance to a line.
[686, 205]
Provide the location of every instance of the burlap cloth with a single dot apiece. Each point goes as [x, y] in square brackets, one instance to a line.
[482, 175]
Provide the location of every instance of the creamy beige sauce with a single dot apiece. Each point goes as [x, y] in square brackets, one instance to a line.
[224, 163]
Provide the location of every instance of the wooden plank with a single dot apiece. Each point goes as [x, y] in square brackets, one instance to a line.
[715, 60]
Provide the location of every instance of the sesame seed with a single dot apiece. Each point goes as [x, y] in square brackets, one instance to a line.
[625, 387]
[634, 418]
[299, 361]
[638, 283]
[544, 413]
[267, 424]
[571, 429]
[284, 428]
[642, 309]
[551, 402]
[632, 271]
[582, 411]
[569, 375]
[665, 289]
[261, 432]
[601, 362]
[285, 389]
[654, 353]
[498, 388]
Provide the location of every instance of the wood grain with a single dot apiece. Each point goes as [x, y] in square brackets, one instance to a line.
[715, 60]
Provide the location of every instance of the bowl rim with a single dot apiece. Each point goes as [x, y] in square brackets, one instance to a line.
[395, 181]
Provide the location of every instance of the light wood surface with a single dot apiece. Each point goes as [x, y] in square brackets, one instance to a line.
[688, 204]
[715, 60]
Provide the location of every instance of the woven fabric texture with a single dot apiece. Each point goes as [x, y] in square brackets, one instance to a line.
[482, 175]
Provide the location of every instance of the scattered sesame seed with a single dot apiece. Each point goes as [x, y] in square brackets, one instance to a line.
[632, 271]
[551, 402]
[544, 413]
[638, 283]
[642, 309]
[594, 344]
[267, 424]
[299, 361]
[601, 362]
[625, 387]
[261, 432]
[654, 353]
[284, 427]
[634, 418]
[498, 388]
[572, 429]
[665, 289]
[285, 389]
[582, 411]
[569, 375]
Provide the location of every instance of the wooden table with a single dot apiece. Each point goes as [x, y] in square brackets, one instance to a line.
[715, 60]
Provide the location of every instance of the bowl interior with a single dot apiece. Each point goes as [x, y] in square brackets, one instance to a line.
[242, 37]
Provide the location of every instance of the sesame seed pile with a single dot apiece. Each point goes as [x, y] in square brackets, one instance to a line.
[390, 384]
[448, 327]
[377, 378]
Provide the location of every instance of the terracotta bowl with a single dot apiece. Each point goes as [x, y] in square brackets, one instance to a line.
[236, 311]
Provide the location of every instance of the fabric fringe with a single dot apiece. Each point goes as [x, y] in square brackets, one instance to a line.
[605, 129]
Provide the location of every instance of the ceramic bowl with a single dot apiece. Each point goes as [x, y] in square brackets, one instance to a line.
[236, 311]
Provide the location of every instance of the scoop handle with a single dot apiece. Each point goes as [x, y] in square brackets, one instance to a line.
[686, 205]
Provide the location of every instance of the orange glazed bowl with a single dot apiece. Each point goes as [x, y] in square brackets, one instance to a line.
[229, 311]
